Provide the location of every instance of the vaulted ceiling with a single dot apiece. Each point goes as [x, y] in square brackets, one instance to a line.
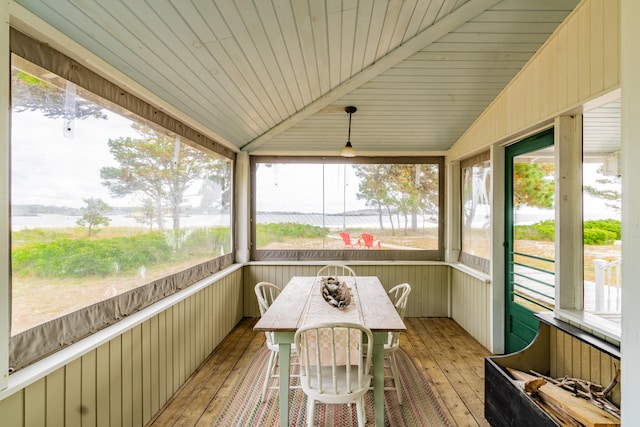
[274, 77]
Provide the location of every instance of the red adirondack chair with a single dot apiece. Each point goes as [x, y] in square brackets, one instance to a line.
[369, 243]
[348, 243]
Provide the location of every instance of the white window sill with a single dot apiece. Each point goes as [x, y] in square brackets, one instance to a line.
[590, 323]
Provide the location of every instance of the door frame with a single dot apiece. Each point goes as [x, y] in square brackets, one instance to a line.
[525, 321]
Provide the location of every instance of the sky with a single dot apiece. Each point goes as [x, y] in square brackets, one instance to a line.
[51, 169]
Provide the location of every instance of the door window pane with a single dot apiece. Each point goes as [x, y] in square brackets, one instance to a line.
[533, 227]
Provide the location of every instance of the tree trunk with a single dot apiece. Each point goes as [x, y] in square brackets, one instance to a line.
[393, 230]
[159, 217]
[380, 215]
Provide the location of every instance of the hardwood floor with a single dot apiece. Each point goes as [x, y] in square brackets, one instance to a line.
[450, 359]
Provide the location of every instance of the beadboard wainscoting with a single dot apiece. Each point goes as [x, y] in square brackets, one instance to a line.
[470, 305]
[127, 379]
[429, 283]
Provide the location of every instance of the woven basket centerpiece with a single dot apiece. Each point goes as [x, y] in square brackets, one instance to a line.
[335, 292]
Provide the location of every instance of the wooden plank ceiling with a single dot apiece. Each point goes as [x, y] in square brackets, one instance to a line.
[273, 77]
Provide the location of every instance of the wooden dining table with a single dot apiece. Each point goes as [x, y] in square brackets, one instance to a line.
[300, 303]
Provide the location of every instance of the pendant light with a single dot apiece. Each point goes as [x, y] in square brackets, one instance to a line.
[347, 150]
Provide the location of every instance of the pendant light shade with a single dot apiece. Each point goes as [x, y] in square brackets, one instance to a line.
[347, 150]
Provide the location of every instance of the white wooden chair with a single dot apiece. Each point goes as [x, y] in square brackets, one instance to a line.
[334, 369]
[336, 270]
[266, 293]
[399, 295]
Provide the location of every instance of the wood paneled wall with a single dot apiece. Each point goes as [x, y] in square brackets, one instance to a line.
[126, 380]
[429, 283]
[579, 62]
[470, 305]
[574, 358]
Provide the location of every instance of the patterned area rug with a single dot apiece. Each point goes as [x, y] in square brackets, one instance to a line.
[419, 408]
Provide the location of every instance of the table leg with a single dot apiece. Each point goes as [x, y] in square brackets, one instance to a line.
[284, 340]
[379, 340]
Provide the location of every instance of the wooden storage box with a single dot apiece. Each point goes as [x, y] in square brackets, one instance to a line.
[559, 349]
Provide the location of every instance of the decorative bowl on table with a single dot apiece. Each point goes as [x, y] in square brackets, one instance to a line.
[335, 292]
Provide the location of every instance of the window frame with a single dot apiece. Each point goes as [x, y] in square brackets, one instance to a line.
[474, 261]
[348, 254]
[42, 340]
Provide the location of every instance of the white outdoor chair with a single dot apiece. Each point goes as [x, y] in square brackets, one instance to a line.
[336, 270]
[399, 295]
[334, 368]
[266, 293]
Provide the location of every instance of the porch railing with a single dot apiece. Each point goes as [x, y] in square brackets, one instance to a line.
[608, 285]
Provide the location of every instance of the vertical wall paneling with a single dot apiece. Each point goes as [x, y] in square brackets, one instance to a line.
[154, 377]
[115, 382]
[470, 304]
[163, 392]
[145, 357]
[562, 61]
[585, 363]
[175, 350]
[72, 394]
[12, 409]
[584, 57]
[597, 46]
[55, 398]
[137, 376]
[103, 381]
[127, 379]
[36, 393]
[429, 283]
[611, 72]
[574, 358]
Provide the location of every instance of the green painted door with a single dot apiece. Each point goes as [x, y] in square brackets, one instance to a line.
[529, 245]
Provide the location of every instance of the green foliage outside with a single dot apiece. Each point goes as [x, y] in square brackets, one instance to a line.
[597, 232]
[543, 230]
[601, 232]
[267, 233]
[207, 241]
[54, 255]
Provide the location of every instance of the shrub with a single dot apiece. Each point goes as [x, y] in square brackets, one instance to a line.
[267, 233]
[543, 230]
[82, 257]
[206, 241]
[597, 232]
[594, 236]
[610, 225]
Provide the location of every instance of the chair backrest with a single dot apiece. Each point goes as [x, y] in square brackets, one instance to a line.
[334, 358]
[346, 238]
[368, 240]
[399, 296]
[266, 293]
[336, 270]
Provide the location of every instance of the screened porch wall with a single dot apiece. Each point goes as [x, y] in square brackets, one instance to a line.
[126, 380]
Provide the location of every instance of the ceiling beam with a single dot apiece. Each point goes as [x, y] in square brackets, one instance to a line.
[448, 23]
